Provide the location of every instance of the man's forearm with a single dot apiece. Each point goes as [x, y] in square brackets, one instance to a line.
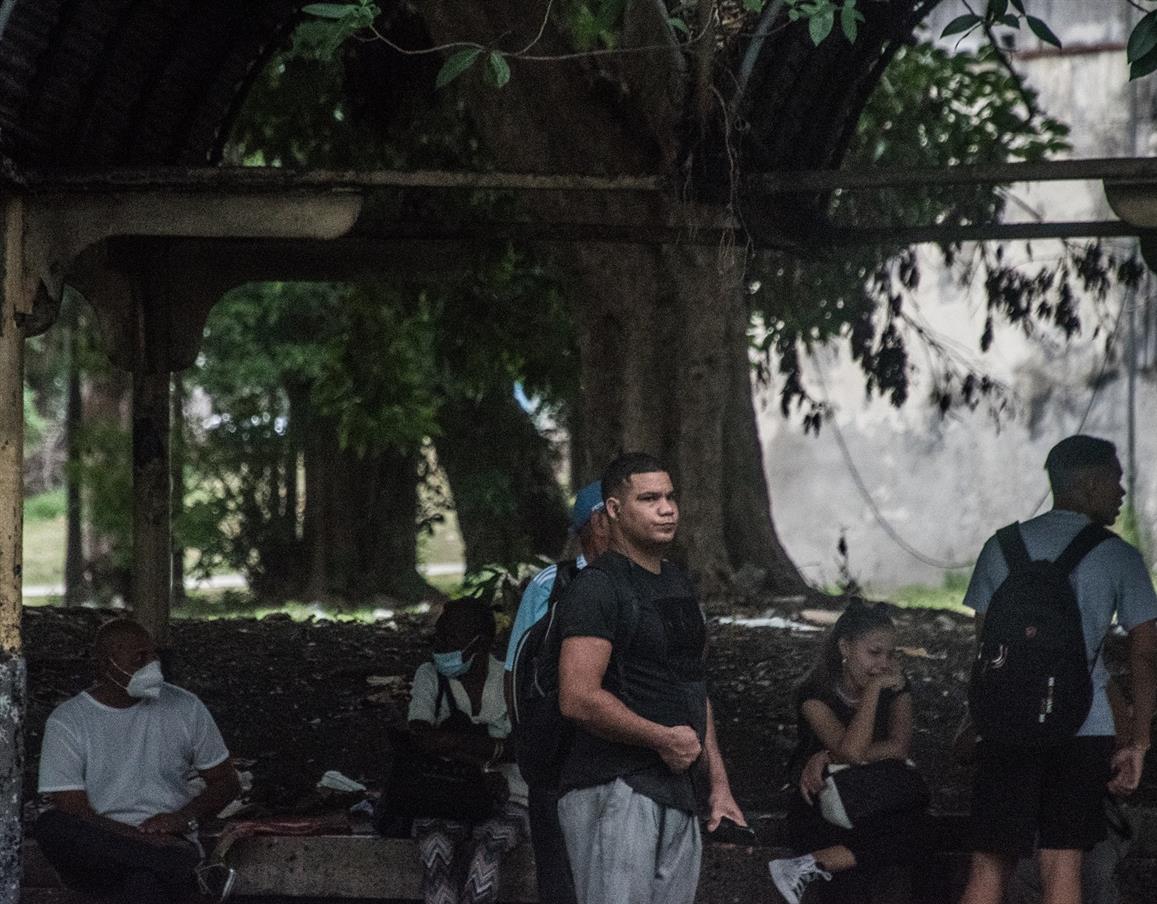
[216, 796]
[716, 768]
[605, 715]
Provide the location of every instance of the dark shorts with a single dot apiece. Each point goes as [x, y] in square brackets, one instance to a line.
[1051, 798]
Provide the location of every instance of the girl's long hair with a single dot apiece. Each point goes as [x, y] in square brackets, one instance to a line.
[857, 619]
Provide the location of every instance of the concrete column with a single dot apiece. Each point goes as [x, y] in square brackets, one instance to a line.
[14, 306]
[152, 581]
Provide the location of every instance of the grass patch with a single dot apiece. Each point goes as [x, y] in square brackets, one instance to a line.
[230, 604]
[45, 506]
[44, 550]
[444, 544]
[923, 596]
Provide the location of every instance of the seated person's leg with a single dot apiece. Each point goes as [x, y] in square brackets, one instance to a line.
[493, 838]
[91, 855]
[438, 841]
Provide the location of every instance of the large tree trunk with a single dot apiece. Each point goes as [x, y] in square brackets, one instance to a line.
[664, 357]
[360, 515]
[661, 327]
[502, 475]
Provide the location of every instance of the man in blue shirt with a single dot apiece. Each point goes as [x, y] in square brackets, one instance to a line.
[589, 524]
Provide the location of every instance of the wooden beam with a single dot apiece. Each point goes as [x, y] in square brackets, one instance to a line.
[278, 179]
[274, 179]
[1094, 169]
[62, 225]
[14, 308]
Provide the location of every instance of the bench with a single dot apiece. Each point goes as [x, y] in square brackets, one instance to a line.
[367, 868]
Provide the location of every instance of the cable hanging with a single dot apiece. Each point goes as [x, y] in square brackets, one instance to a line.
[866, 493]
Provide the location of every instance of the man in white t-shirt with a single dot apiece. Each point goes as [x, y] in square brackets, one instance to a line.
[1054, 797]
[115, 767]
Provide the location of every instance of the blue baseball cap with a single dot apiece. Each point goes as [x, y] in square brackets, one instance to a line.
[588, 501]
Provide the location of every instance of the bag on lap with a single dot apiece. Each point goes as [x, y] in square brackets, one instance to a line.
[421, 784]
[1031, 680]
[853, 793]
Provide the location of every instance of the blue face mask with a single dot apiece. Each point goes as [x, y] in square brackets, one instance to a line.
[455, 664]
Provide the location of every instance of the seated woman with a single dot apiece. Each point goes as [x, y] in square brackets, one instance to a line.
[457, 710]
[853, 707]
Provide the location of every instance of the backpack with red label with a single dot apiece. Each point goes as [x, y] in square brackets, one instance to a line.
[1031, 680]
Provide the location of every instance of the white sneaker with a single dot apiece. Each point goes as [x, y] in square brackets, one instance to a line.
[792, 875]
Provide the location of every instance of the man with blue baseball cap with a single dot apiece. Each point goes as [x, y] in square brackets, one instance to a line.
[589, 524]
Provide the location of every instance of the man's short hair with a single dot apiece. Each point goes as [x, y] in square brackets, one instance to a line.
[112, 632]
[1075, 454]
[620, 471]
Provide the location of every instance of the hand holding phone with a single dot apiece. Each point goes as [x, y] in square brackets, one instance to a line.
[730, 832]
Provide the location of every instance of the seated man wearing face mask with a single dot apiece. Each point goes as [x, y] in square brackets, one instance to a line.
[115, 768]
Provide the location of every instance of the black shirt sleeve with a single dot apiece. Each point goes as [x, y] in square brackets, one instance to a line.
[589, 607]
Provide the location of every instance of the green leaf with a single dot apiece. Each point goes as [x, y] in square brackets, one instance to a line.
[996, 9]
[456, 65]
[498, 68]
[678, 24]
[329, 10]
[850, 19]
[961, 24]
[1142, 67]
[1144, 37]
[1018, 5]
[1010, 20]
[753, 6]
[819, 26]
[1042, 31]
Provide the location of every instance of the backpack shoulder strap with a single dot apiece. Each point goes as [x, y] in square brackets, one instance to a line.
[1082, 544]
[564, 573]
[629, 604]
[1012, 546]
[444, 693]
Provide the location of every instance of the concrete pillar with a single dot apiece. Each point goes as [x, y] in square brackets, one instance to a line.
[14, 308]
[152, 581]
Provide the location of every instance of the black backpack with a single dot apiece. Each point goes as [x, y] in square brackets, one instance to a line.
[1031, 681]
[541, 734]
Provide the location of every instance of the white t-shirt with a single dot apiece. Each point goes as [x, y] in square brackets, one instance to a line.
[492, 713]
[132, 763]
[1112, 578]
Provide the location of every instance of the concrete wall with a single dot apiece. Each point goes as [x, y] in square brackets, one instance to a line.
[945, 484]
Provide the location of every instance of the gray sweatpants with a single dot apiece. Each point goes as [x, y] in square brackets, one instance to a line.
[626, 849]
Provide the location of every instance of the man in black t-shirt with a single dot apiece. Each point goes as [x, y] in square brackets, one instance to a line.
[644, 759]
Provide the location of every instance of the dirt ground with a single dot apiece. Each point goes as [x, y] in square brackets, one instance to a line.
[296, 699]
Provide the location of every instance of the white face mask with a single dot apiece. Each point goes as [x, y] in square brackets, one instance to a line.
[145, 682]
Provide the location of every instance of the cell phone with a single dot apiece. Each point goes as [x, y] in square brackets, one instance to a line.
[730, 832]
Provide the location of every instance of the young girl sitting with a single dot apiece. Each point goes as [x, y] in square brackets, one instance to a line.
[853, 707]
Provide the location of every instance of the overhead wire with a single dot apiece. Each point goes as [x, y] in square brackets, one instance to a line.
[866, 494]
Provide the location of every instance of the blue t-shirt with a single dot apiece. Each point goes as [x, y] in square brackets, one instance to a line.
[533, 606]
[1111, 579]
